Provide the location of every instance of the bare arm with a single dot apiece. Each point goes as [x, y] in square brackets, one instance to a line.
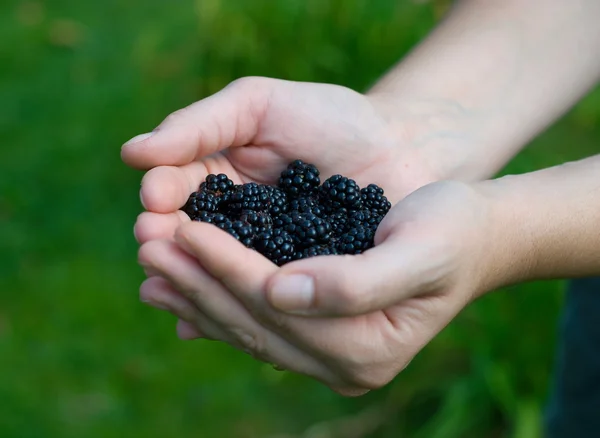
[547, 222]
[498, 73]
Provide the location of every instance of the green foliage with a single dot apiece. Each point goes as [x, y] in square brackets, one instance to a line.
[81, 357]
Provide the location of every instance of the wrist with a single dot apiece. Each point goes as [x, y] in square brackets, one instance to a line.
[509, 245]
[544, 224]
[447, 140]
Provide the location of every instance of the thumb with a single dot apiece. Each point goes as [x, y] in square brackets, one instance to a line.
[228, 118]
[352, 285]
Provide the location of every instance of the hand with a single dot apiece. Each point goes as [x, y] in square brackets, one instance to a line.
[355, 321]
[251, 129]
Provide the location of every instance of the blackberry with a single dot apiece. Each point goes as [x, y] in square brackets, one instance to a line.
[200, 201]
[240, 230]
[204, 216]
[299, 178]
[260, 221]
[374, 200]
[250, 196]
[283, 221]
[364, 218]
[276, 245]
[307, 205]
[338, 221]
[217, 184]
[306, 229]
[355, 241]
[277, 201]
[314, 251]
[340, 192]
[298, 219]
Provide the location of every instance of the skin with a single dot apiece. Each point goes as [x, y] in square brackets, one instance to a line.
[509, 69]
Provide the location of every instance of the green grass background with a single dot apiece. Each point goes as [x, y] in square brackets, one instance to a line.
[81, 357]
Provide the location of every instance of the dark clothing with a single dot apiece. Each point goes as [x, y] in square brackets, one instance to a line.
[573, 409]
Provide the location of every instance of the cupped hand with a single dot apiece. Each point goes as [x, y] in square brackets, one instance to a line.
[352, 322]
[254, 127]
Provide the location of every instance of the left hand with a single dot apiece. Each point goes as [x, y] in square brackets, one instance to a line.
[357, 321]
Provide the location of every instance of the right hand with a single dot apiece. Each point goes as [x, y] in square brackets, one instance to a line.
[350, 321]
[252, 128]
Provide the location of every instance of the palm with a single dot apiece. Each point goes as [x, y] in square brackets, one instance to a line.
[332, 127]
[251, 134]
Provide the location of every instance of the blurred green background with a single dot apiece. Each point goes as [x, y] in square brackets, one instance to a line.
[81, 357]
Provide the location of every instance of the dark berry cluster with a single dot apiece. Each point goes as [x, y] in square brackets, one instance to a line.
[298, 218]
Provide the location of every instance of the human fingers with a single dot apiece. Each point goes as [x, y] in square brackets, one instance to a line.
[167, 188]
[152, 226]
[214, 301]
[398, 268]
[352, 347]
[226, 119]
[160, 294]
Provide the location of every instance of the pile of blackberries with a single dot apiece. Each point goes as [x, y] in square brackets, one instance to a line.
[297, 219]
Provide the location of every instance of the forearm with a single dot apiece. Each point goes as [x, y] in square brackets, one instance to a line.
[546, 223]
[502, 71]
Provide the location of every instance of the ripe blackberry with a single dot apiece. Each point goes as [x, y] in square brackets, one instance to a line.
[219, 218]
[276, 245]
[299, 178]
[296, 220]
[340, 192]
[306, 229]
[314, 251]
[277, 201]
[204, 216]
[355, 241]
[374, 200]
[250, 196]
[240, 230]
[260, 221]
[200, 201]
[307, 205]
[338, 221]
[364, 218]
[217, 184]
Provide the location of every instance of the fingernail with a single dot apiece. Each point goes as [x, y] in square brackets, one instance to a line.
[139, 138]
[142, 200]
[293, 293]
[155, 304]
[149, 270]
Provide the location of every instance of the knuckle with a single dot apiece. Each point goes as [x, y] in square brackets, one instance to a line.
[349, 392]
[368, 368]
[370, 378]
[274, 320]
[351, 299]
[175, 117]
[251, 343]
[249, 83]
[147, 252]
